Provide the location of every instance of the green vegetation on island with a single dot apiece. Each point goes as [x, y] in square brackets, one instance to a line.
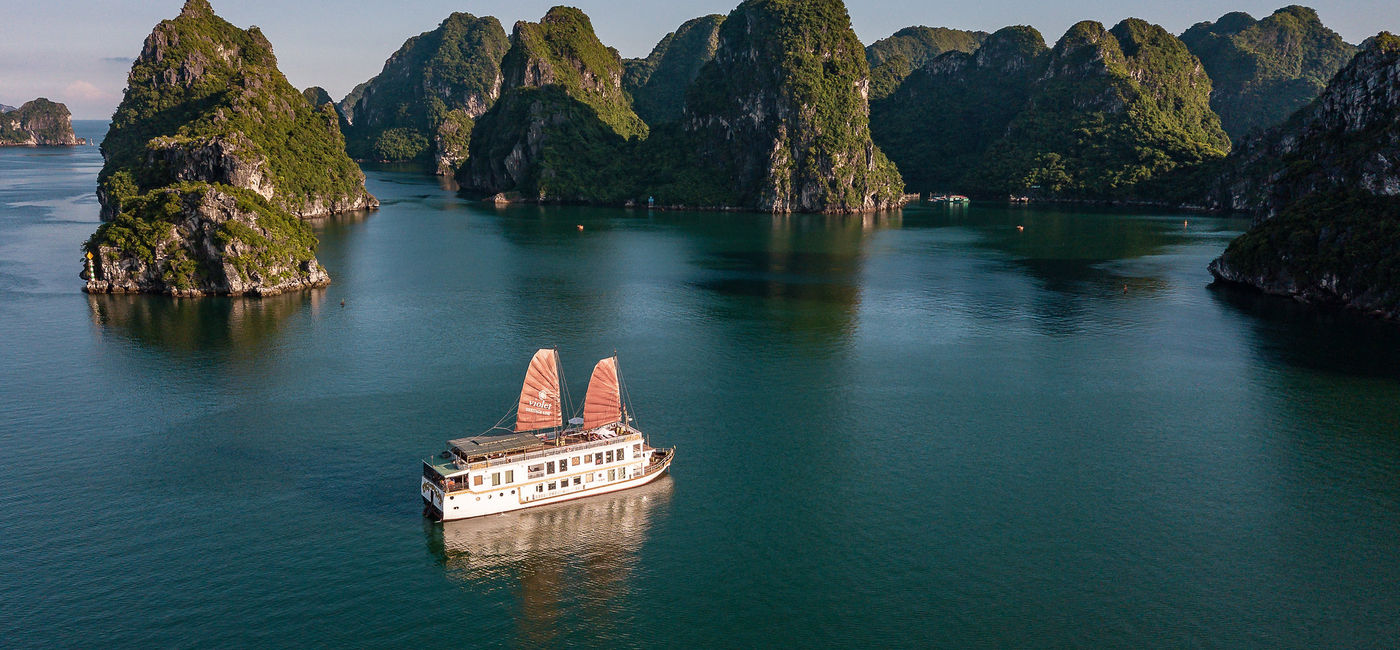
[562, 118]
[1332, 247]
[941, 120]
[205, 101]
[894, 57]
[658, 83]
[317, 96]
[210, 159]
[39, 122]
[422, 105]
[1111, 110]
[1262, 71]
[776, 121]
[1092, 119]
[780, 112]
[1325, 189]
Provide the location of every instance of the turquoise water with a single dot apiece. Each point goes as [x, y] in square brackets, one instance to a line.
[922, 429]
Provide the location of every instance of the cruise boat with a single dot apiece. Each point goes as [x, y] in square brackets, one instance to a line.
[541, 461]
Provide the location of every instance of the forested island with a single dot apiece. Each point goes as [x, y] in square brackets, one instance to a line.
[774, 107]
[37, 123]
[212, 161]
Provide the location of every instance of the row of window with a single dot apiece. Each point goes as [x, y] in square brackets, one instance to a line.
[544, 469]
[613, 475]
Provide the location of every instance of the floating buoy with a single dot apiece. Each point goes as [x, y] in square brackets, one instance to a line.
[580, 227]
[342, 303]
[1020, 228]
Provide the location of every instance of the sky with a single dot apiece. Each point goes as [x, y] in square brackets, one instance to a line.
[79, 52]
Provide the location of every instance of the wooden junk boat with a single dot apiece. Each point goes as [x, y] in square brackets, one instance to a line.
[542, 461]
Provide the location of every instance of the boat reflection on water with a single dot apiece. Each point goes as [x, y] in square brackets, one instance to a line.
[569, 559]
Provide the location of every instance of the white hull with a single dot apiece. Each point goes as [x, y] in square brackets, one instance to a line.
[468, 504]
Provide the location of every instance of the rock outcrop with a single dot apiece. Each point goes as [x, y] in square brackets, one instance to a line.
[1112, 109]
[210, 160]
[561, 118]
[423, 104]
[1100, 114]
[980, 93]
[1325, 190]
[207, 96]
[782, 112]
[38, 123]
[658, 83]
[1262, 71]
[1349, 137]
[777, 121]
[214, 240]
[894, 57]
[317, 96]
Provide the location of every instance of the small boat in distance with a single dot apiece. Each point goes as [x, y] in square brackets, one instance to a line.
[541, 461]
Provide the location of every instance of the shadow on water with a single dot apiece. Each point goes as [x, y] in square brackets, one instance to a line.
[190, 325]
[802, 277]
[1316, 337]
[571, 563]
[1071, 252]
[1079, 256]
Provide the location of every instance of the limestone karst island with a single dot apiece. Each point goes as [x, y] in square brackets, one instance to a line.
[214, 162]
[718, 324]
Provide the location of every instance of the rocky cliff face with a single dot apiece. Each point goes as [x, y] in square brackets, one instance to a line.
[1335, 247]
[1349, 137]
[1262, 71]
[561, 117]
[1111, 109]
[981, 93]
[423, 103]
[658, 83]
[205, 96]
[216, 240]
[783, 111]
[1325, 190]
[211, 158]
[38, 123]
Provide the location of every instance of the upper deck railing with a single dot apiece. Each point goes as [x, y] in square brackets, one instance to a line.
[562, 450]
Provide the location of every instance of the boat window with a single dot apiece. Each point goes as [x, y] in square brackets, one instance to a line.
[549, 467]
[612, 475]
[598, 458]
[510, 476]
[552, 485]
[539, 487]
[495, 479]
[536, 471]
[608, 455]
[575, 461]
[476, 480]
[578, 480]
[563, 464]
[588, 478]
[637, 450]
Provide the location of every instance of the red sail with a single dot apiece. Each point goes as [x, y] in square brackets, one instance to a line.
[539, 397]
[603, 404]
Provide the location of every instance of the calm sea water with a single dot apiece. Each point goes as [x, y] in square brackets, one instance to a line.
[921, 429]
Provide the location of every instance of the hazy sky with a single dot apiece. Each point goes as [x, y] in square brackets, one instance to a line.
[79, 52]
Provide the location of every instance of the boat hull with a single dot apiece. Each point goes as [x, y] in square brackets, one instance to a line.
[448, 507]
